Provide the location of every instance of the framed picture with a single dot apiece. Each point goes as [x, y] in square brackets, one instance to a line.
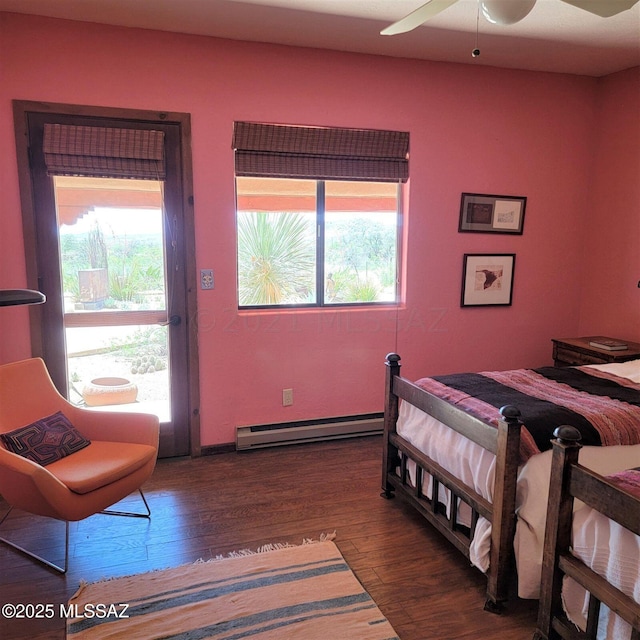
[487, 279]
[491, 214]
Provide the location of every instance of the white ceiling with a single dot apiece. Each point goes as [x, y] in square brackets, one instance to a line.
[555, 36]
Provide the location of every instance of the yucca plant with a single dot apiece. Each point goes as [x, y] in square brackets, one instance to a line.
[347, 286]
[366, 291]
[276, 258]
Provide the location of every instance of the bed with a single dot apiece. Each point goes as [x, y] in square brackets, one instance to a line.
[591, 552]
[481, 478]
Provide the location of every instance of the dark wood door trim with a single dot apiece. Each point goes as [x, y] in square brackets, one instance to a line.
[177, 127]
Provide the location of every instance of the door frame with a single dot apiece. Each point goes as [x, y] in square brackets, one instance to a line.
[21, 111]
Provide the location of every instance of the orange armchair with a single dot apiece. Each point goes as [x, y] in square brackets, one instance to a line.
[120, 458]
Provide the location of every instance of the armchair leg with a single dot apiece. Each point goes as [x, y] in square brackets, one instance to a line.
[35, 556]
[64, 568]
[130, 514]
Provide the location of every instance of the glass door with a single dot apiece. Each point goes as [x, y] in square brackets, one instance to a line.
[113, 266]
[109, 239]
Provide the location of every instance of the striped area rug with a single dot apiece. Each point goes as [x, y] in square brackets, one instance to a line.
[306, 592]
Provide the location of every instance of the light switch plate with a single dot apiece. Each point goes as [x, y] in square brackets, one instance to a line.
[206, 278]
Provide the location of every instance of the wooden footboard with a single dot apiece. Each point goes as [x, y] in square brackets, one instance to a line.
[504, 442]
[569, 480]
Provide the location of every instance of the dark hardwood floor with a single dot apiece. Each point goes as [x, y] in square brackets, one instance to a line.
[217, 504]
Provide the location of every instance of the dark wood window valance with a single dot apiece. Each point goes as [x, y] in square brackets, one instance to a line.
[104, 152]
[323, 153]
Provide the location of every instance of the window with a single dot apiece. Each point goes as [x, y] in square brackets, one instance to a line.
[316, 242]
[318, 215]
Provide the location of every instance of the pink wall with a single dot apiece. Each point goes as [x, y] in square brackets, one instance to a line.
[610, 296]
[475, 129]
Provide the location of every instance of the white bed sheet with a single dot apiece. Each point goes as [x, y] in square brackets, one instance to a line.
[475, 466]
[594, 538]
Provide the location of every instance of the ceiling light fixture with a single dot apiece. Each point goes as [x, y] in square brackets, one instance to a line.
[506, 11]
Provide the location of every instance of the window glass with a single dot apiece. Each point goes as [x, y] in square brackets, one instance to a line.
[314, 242]
[111, 243]
[276, 241]
[361, 225]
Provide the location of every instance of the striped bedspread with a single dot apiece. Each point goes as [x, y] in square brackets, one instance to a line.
[628, 481]
[605, 408]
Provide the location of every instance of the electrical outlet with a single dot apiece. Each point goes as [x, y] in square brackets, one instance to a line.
[287, 397]
[206, 278]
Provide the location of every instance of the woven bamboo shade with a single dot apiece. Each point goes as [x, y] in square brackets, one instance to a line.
[104, 152]
[283, 151]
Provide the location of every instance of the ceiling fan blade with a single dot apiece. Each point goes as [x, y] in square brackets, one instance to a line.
[603, 8]
[417, 17]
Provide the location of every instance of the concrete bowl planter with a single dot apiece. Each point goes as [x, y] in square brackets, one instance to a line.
[109, 390]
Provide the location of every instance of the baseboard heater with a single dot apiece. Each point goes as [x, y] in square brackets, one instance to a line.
[274, 435]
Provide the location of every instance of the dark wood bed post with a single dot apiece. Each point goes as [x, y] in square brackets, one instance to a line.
[389, 452]
[503, 523]
[557, 539]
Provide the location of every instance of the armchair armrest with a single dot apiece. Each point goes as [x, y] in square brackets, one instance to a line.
[138, 428]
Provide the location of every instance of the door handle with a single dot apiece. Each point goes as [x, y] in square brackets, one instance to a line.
[174, 321]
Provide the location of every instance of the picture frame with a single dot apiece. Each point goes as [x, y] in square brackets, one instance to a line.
[481, 213]
[487, 279]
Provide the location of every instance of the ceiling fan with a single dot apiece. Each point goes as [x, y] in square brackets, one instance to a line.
[502, 11]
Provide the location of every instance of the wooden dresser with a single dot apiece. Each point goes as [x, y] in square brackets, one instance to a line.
[577, 351]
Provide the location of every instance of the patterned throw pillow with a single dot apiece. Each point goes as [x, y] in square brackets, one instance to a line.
[45, 440]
